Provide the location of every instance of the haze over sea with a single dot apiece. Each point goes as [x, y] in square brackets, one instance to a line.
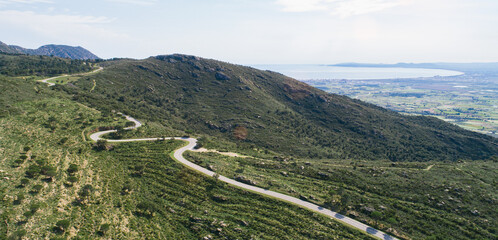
[307, 72]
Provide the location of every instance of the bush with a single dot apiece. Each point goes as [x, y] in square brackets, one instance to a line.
[72, 168]
[86, 190]
[19, 198]
[19, 234]
[72, 179]
[33, 171]
[102, 145]
[41, 162]
[24, 182]
[104, 228]
[62, 225]
[37, 188]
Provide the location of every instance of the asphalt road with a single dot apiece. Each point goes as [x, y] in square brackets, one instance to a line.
[178, 155]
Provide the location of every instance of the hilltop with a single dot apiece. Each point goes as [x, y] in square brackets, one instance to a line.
[62, 51]
[269, 110]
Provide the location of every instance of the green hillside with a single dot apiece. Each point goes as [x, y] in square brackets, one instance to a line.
[54, 184]
[371, 164]
[273, 111]
[24, 65]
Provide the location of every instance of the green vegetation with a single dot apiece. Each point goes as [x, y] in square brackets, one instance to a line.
[417, 200]
[24, 65]
[121, 193]
[55, 183]
[167, 200]
[212, 98]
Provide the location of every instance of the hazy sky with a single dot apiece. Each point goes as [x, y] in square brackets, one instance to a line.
[262, 31]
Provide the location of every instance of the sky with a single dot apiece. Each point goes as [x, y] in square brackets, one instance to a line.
[262, 31]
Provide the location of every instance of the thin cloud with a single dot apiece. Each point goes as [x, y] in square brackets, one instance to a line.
[341, 8]
[25, 17]
[135, 2]
[59, 26]
[7, 2]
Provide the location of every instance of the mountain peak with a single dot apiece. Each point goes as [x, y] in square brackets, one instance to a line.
[62, 51]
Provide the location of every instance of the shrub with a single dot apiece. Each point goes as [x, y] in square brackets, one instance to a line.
[104, 228]
[37, 188]
[41, 162]
[62, 225]
[102, 145]
[86, 190]
[72, 179]
[19, 234]
[19, 198]
[72, 168]
[63, 140]
[33, 171]
[24, 182]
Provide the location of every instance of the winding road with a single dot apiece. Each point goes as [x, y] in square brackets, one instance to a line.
[65, 75]
[192, 142]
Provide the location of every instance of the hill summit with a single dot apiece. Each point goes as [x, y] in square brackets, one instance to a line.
[62, 51]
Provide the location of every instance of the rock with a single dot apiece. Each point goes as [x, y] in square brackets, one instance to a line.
[211, 167]
[393, 231]
[195, 219]
[323, 175]
[475, 212]
[244, 223]
[307, 163]
[302, 197]
[238, 229]
[368, 209]
[223, 224]
[285, 174]
[221, 76]
[243, 179]
[219, 198]
[208, 237]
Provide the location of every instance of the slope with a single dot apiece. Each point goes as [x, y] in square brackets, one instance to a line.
[54, 184]
[248, 106]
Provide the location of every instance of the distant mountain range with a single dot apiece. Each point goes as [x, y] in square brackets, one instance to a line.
[62, 51]
[463, 67]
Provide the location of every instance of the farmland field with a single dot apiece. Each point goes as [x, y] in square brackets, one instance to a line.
[469, 100]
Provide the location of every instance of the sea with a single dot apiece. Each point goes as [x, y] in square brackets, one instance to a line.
[308, 72]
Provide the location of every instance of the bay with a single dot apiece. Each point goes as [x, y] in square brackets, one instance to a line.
[308, 72]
